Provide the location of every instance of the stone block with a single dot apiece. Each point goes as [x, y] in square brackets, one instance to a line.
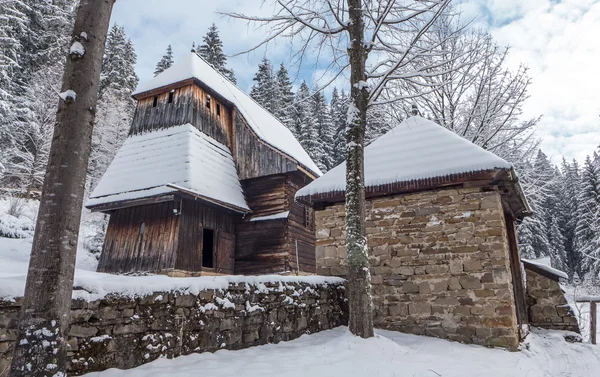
[453, 284]
[419, 309]
[82, 331]
[424, 288]
[472, 265]
[410, 287]
[504, 321]
[469, 282]
[185, 300]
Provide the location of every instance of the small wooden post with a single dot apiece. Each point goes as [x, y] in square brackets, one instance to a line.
[593, 321]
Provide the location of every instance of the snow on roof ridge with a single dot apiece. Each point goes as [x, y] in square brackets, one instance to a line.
[267, 128]
[414, 150]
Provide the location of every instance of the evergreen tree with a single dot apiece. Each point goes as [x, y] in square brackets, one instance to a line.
[588, 225]
[302, 118]
[322, 146]
[533, 231]
[212, 51]
[567, 215]
[264, 91]
[118, 67]
[165, 62]
[284, 97]
[339, 115]
[378, 123]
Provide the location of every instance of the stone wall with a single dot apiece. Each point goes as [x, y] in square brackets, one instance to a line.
[122, 332]
[548, 307]
[439, 264]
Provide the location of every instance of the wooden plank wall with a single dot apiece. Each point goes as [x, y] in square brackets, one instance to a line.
[270, 246]
[254, 158]
[188, 106]
[297, 229]
[261, 245]
[126, 249]
[194, 217]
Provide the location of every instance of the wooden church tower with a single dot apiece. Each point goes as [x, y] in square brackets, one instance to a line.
[205, 183]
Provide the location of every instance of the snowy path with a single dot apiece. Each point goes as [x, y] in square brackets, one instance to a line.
[336, 353]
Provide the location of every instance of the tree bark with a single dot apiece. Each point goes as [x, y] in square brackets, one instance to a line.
[41, 348]
[359, 276]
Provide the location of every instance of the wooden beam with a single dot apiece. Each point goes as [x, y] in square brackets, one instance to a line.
[131, 203]
[593, 321]
[229, 206]
[163, 89]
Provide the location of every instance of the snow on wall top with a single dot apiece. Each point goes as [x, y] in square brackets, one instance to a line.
[544, 265]
[416, 149]
[179, 156]
[263, 123]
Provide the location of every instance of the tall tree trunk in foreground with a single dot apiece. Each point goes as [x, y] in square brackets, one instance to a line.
[41, 348]
[359, 278]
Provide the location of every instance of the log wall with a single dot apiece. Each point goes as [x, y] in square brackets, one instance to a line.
[253, 157]
[195, 217]
[270, 245]
[142, 238]
[188, 106]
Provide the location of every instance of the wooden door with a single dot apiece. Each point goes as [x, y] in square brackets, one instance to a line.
[197, 254]
[225, 253]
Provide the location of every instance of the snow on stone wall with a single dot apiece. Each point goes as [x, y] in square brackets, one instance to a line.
[125, 332]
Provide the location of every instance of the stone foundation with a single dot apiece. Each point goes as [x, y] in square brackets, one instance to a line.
[122, 332]
[439, 264]
[548, 307]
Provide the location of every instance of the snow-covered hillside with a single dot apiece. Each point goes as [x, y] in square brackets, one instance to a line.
[338, 353]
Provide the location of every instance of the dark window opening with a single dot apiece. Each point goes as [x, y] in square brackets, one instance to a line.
[171, 97]
[208, 102]
[155, 102]
[218, 109]
[208, 236]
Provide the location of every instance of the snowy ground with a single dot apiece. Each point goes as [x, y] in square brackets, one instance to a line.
[337, 353]
[14, 260]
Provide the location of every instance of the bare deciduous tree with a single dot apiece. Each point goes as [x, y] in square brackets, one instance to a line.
[41, 348]
[379, 42]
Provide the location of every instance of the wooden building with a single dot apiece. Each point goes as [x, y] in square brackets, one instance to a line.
[205, 183]
[440, 224]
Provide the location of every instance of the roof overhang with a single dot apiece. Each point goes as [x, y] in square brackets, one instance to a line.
[504, 179]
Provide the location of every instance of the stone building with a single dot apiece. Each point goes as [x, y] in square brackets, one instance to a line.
[440, 225]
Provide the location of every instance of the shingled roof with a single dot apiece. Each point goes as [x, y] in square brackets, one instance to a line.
[266, 126]
[176, 159]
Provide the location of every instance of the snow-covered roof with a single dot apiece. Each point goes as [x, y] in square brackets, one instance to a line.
[263, 123]
[544, 265]
[175, 159]
[416, 149]
[280, 215]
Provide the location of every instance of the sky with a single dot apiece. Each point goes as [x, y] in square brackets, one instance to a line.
[558, 40]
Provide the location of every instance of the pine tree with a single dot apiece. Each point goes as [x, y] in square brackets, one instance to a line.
[212, 51]
[118, 67]
[264, 90]
[567, 214]
[588, 225]
[302, 117]
[165, 62]
[339, 115]
[533, 231]
[284, 97]
[378, 123]
[323, 127]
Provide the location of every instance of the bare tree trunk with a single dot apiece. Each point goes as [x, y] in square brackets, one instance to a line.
[359, 277]
[41, 348]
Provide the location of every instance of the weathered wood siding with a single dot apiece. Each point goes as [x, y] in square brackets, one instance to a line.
[128, 248]
[253, 157]
[300, 228]
[270, 245]
[188, 106]
[194, 218]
